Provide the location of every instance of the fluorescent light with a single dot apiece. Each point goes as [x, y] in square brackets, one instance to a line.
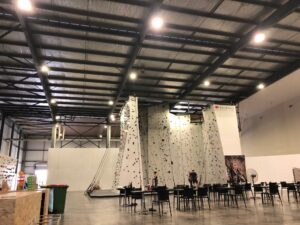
[206, 83]
[52, 101]
[261, 86]
[112, 117]
[24, 5]
[178, 106]
[177, 111]
[44, 69]
[133, 75]
[259, 38]
[110, 102]
[157, 23]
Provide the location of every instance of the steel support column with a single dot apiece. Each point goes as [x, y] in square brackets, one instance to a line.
[2, 129]
[11, 137]
[108, 136]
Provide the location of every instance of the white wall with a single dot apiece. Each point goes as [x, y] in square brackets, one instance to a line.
[274, 168]
[270, 129]
[228, 129]
[77, 167]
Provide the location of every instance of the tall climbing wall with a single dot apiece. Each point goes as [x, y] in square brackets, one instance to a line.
[159, 153]
[186, 147]
[129, 165]
[174, 146]
[214, 162]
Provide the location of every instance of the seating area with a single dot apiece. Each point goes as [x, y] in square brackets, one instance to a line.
[187, 198]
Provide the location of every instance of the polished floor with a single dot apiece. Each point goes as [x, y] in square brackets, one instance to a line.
[81, 210]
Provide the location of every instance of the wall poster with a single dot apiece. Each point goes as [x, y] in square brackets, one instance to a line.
[236, 168]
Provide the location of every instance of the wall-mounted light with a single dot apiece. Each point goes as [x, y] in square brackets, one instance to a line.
[24, 5]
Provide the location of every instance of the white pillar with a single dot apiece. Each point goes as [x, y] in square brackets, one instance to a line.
[108, 136]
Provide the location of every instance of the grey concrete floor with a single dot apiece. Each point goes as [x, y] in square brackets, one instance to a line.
[81, 210]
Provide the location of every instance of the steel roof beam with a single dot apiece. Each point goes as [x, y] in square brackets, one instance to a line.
[275, 17]
[37, 62]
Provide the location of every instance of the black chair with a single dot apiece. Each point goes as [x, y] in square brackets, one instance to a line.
[258, 190]
[273, 192]
[162, 197]
[283, 185]
[121, 195]
[222, 194]
[127, 196]
[137, 195]
[188, 195]
[214, 190]
[238, 191]
[248, 188]
[292, 188]
[202, 193]
[178, 191]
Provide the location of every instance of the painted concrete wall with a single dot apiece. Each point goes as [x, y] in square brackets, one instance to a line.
[270, 126]
[228, 129]
[77, 167]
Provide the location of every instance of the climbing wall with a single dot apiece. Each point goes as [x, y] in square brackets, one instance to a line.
[129, 164]
[143, 120]
[7, 168]
[214, 161]
[186, 147]
[159, 153]
[174, 146]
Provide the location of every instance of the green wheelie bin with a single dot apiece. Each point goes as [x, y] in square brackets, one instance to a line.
[57, 198]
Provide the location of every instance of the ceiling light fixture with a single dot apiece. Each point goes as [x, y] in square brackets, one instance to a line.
[52, 101]
[261, 86]
[133, 75]
[57, 117]
[112, 117]
[44, 69]
[157, 23]
[259, 38]
[105, 126]
[206, 83]
[110, 102]
[24, 5]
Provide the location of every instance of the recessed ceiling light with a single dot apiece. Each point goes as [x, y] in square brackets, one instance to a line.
[57, 117]
[44, 69]
[157, 23]
[110, 102]
[133, 75]
[259, 38]
[24, 5]
[52, 101]
[105, 126]
[206, 83]
[112, 117]
[261, 86]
